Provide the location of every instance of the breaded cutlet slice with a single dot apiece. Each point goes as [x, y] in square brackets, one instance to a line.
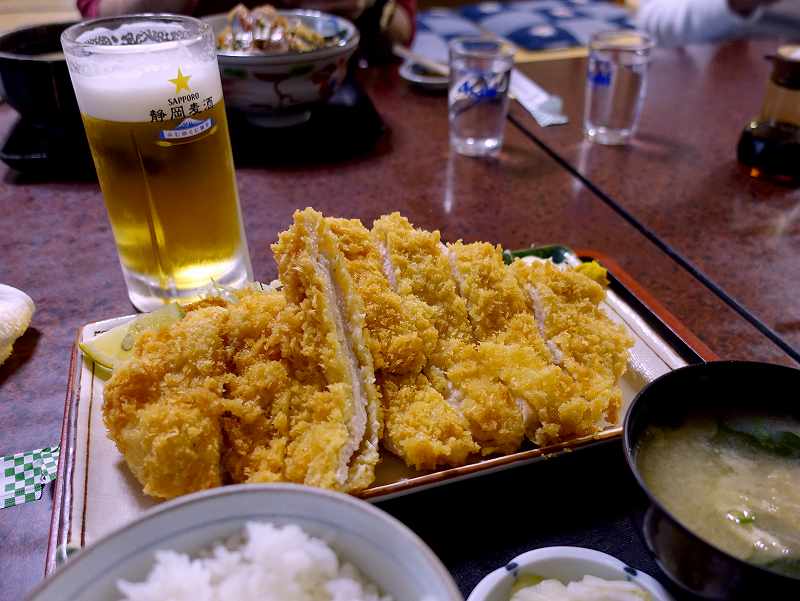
[492, 294]
[420, 268]
[581, 338]
[202, 401]
[469, 299]
[401, 334]
[336, 413]
[434, 433]
[495, 418]
[255, 421]
[162, 406]
[512, 385]
[544, 390]
[421, 427]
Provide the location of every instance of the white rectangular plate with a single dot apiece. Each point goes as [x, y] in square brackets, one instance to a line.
[99, 493]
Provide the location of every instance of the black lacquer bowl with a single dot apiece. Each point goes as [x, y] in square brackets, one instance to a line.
[691, 562]
[35, 81]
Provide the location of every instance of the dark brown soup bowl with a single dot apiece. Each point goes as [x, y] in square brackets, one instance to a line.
[36, 85]
[692, 563]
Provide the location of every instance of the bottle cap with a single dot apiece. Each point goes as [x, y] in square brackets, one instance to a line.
[786, 67]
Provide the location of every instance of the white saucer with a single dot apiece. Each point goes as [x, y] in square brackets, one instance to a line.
[415, 75]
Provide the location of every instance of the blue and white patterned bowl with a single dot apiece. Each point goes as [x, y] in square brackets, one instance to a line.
[384, 550]
[566, 564]
[280, 84]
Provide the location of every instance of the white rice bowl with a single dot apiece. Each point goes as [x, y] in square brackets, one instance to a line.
[384, 550]
[266, 563]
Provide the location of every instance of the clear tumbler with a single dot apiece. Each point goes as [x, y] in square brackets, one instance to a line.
[480, 75]
[615, 85]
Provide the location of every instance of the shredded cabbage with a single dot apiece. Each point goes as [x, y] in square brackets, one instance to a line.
[590, 588]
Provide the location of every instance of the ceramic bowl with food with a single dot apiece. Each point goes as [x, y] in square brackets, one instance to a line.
[383, 551]
[565, 565]
[33, 75]
[716, 449]
[287, 83]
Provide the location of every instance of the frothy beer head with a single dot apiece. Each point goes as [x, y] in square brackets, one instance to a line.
[142, 69]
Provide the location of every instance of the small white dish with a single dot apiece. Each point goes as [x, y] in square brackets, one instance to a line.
[417, 76]
[566, 564]
[383, 549]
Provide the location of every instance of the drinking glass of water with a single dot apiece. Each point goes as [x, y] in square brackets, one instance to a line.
[616, 84]
[480, 74]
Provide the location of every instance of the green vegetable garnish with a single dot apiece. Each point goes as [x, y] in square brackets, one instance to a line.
[765, 435]
[741, 517]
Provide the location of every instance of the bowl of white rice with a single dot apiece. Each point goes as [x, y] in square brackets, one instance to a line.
[270, 542]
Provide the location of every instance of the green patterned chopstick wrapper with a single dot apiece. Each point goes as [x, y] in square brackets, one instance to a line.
[26, 474]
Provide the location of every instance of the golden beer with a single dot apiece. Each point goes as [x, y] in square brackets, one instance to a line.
[162, 198]
[156, 125]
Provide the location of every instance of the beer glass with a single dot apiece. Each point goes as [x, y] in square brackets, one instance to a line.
[149, 91]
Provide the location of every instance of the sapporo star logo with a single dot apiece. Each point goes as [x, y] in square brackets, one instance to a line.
[181, 82]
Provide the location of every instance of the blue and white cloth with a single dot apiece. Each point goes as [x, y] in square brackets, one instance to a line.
[530, 24]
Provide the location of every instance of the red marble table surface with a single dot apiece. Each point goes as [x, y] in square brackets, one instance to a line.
[55, 243]
[680, 177]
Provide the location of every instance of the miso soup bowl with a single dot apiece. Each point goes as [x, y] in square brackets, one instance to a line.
[692, 563]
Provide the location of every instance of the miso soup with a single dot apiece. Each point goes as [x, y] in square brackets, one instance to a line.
[732, 479]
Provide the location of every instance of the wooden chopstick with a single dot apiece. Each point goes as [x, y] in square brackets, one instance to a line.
[430, 65]
[427, 63]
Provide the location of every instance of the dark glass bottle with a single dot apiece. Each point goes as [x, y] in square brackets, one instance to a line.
[770, 143]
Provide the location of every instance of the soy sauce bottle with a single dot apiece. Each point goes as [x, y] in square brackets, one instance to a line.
[770, 144]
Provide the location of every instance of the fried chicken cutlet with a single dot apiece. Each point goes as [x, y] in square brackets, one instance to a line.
[437, 351]
[165, 407]
[420, 426]
[327, 345]
[402, 336]
[510, 369]
[581, 338]
[424, 267]
[424, 423]
[492, 297]
[274, 386]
